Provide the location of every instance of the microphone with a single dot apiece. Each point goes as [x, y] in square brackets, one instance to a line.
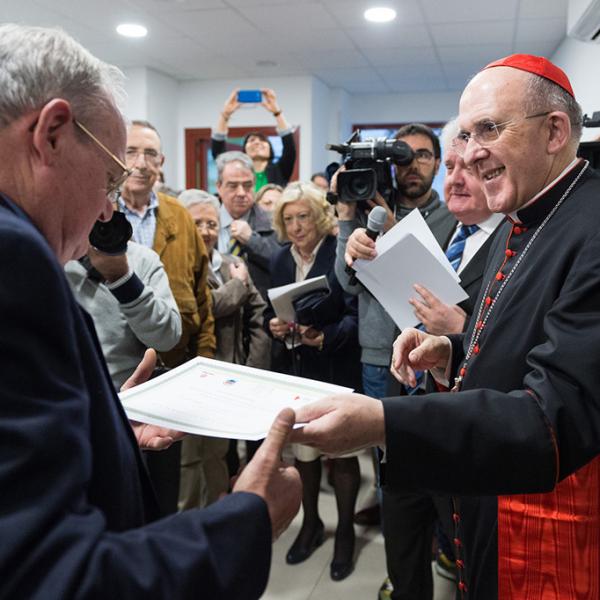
[375, 224]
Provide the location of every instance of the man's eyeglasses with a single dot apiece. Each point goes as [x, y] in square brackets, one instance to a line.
[486, 133]
[114, 183]
[423, 157]
[150, 156]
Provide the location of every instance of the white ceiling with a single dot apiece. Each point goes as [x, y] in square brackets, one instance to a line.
[434, 45]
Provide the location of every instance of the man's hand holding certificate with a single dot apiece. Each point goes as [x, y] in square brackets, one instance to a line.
[219, 399]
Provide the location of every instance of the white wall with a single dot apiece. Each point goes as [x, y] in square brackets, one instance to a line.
[152, 96]
[394, 108]
[135, 85]
[580, 61]
[163, 92]
[323, 107]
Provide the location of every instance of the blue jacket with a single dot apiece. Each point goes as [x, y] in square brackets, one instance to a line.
[77, 513]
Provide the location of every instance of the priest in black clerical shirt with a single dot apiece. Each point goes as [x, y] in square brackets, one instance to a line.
[517, 436]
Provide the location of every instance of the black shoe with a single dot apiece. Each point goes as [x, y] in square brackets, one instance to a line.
[297, 553]
[340, 570]
[368, 517]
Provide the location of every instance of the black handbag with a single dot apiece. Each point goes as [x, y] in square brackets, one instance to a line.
[315, 308]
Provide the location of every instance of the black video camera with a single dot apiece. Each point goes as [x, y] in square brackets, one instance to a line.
[111, 237]
[369, 168]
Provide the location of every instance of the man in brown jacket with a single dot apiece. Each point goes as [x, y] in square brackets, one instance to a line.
[161, 223]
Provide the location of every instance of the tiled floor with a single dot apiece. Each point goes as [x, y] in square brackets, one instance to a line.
[310, 580]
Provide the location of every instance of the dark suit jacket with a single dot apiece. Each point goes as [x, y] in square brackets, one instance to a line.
[76, 508]
[260, 247]
[339, 361]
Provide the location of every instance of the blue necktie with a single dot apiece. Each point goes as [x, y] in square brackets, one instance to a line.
[457, 247]
[454, 253]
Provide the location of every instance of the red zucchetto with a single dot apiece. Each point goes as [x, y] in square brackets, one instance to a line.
[538, 65]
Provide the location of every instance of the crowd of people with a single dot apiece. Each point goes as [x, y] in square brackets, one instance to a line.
[483, 421]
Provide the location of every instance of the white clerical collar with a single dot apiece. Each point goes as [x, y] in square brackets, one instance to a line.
[569, 167]
[491, 223]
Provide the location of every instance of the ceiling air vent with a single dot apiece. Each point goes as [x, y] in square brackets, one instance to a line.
[584, 20]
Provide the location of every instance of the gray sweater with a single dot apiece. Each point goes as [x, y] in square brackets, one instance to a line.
[376, 329]
[140, 314]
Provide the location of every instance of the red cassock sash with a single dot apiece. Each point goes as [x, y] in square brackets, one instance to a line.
[549, 544]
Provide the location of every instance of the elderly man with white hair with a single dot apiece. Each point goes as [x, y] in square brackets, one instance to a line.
[78, 518]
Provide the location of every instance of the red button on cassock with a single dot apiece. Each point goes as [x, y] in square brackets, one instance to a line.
[462, 586]
[460, 564]
[488, 300]
[510, 253]
[457, 542]
[456, 517]
[476, 349]
[517, 230]
[499, 276]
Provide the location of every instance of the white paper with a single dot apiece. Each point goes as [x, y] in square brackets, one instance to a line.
[414, 224]
[219, 399]
[282, 297]
[391, 276]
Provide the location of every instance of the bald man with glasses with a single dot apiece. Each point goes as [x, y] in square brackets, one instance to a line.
[516, 436]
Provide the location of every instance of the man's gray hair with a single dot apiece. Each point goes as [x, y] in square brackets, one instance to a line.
[39, 64]
[542, 94]
[448, 133]
[234, 156]
[193, 196]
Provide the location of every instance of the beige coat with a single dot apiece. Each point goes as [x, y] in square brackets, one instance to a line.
[238, 310]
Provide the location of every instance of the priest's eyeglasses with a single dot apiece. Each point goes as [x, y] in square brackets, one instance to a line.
[486, 133]
[114, 183]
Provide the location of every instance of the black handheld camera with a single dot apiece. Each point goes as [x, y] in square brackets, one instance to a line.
[369, 168]
[111, 237]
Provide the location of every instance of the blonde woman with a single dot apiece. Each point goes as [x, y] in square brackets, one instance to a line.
[326, 349]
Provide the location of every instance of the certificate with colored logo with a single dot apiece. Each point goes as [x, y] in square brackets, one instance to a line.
[219, 399]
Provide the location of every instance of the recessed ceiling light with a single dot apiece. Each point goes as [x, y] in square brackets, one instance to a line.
[380, 14]
[132, 30]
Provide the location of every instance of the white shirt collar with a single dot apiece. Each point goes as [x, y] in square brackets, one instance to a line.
[226, 219]
[491, 222]
[216, 260]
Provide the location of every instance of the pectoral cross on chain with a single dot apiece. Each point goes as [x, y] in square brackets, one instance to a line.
[457, 382]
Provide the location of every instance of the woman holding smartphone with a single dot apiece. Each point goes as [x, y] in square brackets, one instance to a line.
[256, 145]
